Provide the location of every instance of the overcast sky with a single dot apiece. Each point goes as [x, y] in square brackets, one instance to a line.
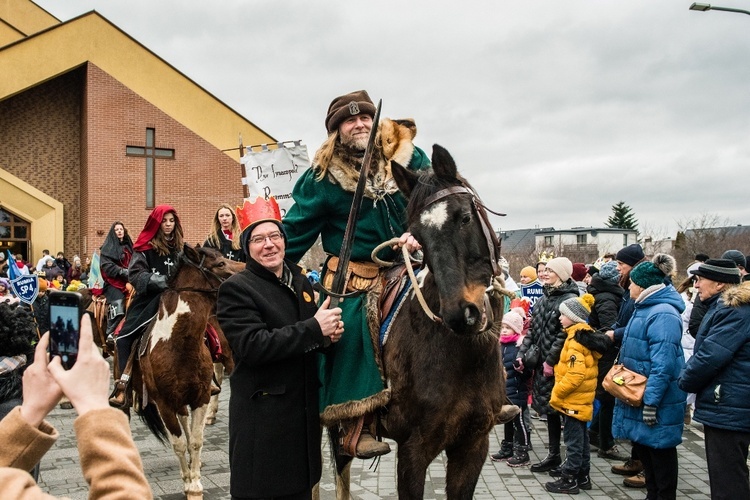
[554, 110]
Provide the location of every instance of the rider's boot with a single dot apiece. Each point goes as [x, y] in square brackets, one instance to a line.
[115, 312]
[357, 439]
[507, 414]
[120, 397]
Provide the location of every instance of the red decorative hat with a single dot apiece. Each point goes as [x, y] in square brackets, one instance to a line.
[250, 215]
[263, 210]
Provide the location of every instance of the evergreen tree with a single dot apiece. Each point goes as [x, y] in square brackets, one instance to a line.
[622, 217]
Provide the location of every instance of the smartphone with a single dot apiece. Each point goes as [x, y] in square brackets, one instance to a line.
[65, 311]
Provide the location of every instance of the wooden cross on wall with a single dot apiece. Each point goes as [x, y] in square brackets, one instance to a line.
[150, 153]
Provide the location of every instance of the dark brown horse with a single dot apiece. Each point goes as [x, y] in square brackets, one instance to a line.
[176, 367]
[446, 376]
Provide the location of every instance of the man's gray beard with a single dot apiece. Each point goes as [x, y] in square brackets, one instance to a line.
[357, 143]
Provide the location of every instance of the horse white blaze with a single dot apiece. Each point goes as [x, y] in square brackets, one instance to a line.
[435, 216]
[163, 326]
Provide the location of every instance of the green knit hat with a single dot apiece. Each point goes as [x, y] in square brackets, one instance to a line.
[653, 272]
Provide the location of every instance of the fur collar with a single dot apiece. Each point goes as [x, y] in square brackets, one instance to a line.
[737, 296]
[590, 338]
[393, 143]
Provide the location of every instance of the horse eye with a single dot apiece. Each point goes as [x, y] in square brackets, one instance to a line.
[466, 219]
[222, 264]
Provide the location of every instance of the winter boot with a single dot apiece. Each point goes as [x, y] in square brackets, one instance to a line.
[551, 461]
[566, 484]
[506, 451]
[584, 479]
[629, 468]
[520, 457]
[557, 471]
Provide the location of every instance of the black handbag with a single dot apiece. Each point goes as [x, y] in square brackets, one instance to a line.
[532, 355]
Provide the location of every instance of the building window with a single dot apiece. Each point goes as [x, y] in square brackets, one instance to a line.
[625, 240]
[581, 239]
[548, 241]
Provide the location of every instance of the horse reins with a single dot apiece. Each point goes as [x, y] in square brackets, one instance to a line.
[481, 211]
[204, 271]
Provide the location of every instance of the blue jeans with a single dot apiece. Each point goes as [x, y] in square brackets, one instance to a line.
[576, 437]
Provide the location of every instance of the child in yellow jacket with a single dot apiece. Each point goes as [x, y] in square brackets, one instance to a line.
[574, 391]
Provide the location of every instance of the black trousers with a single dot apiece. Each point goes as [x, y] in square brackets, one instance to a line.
[660, 469]
[554, 432]
[726, 455]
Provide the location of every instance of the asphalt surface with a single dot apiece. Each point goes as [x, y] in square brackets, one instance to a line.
[61, 474]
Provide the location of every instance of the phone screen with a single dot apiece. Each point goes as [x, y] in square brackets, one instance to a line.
[65, 326]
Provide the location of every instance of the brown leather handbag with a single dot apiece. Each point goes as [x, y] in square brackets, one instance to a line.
[626, 385]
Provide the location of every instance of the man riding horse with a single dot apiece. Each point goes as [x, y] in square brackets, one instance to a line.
[352, 378]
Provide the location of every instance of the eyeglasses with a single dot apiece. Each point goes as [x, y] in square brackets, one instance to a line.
[259, 239]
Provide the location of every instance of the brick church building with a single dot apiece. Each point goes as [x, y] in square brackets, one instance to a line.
[94, 127]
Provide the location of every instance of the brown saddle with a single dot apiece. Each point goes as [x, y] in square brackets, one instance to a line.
[394, 281]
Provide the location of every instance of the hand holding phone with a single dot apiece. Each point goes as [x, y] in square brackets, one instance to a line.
[65, 311]
[87, 383]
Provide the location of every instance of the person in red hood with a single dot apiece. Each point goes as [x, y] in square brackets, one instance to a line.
[153, 261]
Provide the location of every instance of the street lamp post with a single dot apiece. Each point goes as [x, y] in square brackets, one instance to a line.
[703, 7]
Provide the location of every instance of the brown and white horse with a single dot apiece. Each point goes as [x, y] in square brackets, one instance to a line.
[173, 375]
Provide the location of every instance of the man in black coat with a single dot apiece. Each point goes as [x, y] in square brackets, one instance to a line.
[274, 327]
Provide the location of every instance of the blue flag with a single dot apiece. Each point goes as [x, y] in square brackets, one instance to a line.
[13, 271]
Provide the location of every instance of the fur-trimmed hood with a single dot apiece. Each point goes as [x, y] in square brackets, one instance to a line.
[393, 143]
[737, 296]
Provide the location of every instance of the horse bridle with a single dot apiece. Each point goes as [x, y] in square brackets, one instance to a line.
[204, 271]
[481, 210]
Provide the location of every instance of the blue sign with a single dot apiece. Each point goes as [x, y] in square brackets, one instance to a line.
[533, 291]
[26, 288]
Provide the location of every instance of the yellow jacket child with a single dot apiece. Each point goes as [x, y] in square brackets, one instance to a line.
[576, 372]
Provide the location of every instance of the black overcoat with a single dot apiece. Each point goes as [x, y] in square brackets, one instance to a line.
[274, 426]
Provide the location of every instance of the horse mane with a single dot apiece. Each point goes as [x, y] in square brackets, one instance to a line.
[180, 261]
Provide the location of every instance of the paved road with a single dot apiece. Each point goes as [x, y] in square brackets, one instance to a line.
[61, 473]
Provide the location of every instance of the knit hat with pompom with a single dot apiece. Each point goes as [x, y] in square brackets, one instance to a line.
[652, 273]
[577, 309]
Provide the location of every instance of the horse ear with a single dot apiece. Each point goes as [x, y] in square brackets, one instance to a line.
[189, 252]
[405, 178]
[443, 164]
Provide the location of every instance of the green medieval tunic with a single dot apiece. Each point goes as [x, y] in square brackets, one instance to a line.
[352, 381]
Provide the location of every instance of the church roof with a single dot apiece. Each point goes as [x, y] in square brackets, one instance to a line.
[36, 47]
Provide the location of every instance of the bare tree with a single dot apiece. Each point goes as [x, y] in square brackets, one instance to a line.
[709, 234]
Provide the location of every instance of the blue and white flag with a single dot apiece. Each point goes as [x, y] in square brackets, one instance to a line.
[25, 286]
[13, 271]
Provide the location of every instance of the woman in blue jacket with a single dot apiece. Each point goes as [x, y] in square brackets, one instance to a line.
[651, 346]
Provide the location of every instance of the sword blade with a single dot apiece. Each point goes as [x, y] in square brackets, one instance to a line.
[339, 281]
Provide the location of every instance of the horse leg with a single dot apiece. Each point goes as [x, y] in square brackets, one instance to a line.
[195, 444]
[464, 467]
[414, 456]
[179, 445]
[213, 405]
[343, 478]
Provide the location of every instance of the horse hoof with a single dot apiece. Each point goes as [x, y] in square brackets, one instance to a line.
[194, 496]
[210, 420]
